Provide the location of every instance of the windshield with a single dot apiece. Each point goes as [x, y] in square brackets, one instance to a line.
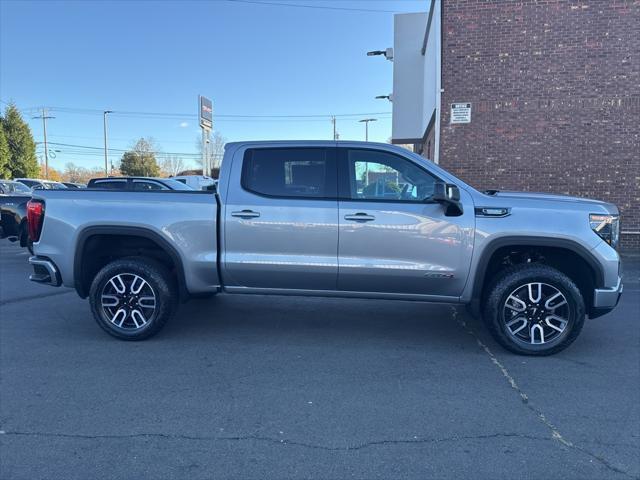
[175, 184]
[53, 185]
[15, 187]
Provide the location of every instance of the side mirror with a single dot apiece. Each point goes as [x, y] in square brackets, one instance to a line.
[448, 195]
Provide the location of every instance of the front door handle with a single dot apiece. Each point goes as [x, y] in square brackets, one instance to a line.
[359, 217]
[245, 214]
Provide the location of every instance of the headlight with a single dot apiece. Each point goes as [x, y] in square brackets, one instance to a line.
[606, 226]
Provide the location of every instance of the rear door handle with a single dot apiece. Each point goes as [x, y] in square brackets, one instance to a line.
[359, 217]
[245, 214]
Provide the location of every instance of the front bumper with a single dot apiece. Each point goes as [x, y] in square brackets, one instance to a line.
[44, 271]
[606, 299]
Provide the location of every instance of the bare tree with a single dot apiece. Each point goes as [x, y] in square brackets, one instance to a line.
[216, 149]
[77, 174]
[171, 165]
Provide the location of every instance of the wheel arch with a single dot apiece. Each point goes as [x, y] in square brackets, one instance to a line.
[80, 273]
[497, 245]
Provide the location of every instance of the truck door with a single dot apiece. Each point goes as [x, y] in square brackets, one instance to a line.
[281, 219]
[393, 239]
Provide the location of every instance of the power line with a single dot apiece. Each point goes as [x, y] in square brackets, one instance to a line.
[100, 149]
[91, 111]
[118, 139]
[318, 7]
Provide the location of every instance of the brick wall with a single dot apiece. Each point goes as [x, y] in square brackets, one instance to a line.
[555, 88]
[427, 149]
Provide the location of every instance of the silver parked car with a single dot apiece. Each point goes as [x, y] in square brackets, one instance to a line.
[345, 219]
[39, 184]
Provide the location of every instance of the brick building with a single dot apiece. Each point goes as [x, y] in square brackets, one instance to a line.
[554, 92]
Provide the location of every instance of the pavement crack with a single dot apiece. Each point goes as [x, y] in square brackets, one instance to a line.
[279, 441]
[555, 433]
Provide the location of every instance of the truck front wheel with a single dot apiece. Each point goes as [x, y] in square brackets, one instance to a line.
[534, 309]
[132, 298]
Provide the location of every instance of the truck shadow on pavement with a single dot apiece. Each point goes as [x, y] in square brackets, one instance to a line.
[307, 319]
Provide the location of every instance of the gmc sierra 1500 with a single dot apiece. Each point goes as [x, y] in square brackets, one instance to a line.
[343, 219]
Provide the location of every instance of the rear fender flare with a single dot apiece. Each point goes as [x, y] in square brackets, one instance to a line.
[162, 242]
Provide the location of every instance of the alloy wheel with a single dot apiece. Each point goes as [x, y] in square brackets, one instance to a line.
[128, 301]
[536, 313]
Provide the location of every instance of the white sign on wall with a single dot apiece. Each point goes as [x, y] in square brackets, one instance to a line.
[460, 113]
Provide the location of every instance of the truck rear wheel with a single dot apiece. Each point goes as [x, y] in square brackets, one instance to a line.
[534, 309]
[132, 298]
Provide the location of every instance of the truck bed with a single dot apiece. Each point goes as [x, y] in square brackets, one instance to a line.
[182, 222]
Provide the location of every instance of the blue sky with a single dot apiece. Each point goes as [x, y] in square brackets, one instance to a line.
[157, 56]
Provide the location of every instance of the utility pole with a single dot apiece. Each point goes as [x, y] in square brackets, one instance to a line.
[44, 118]
[335, 134]
[366, 127]
[104, 124]
[206, 160]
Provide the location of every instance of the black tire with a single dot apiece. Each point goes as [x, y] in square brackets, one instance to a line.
[159, 284]
[25, 241]
[535, 316]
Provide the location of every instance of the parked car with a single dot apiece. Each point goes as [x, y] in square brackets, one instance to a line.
[136, 183]
[74, 185]
[13, 210]
[197, 182]
[9, 187]
[298, 218]
[39, 184]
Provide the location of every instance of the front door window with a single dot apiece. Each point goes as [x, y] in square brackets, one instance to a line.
[381, 176]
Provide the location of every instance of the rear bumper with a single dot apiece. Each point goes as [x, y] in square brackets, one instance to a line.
[44, 271]
[606, 299]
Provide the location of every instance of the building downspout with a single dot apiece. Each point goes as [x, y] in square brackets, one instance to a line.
[438, 39]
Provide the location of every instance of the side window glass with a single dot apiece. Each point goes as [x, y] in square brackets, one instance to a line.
[111, 185]
[289, 172]
[376, 175]
[144, 185]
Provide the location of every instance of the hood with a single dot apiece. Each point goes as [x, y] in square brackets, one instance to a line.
[544, 200]
[548, 197]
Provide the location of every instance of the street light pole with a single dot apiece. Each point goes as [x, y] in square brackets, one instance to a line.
[104, 123]
[366, 127]
[44, 118]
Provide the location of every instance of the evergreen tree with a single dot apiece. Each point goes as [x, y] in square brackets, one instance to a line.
[22, 148]
[4, 154]
[140, 161]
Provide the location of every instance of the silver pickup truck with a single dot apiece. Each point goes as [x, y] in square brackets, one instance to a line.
[346, 219]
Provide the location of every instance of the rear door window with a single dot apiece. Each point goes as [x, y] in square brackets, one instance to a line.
[144, 185]
[110, 184]
[290, 172]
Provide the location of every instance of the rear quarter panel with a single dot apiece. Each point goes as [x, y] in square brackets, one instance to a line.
[187, 220]
[13, 209]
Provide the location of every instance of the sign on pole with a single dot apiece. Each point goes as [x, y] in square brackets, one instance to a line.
[460, 113]
[206, 113]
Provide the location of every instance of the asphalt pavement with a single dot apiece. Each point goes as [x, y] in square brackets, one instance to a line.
[278, 387]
